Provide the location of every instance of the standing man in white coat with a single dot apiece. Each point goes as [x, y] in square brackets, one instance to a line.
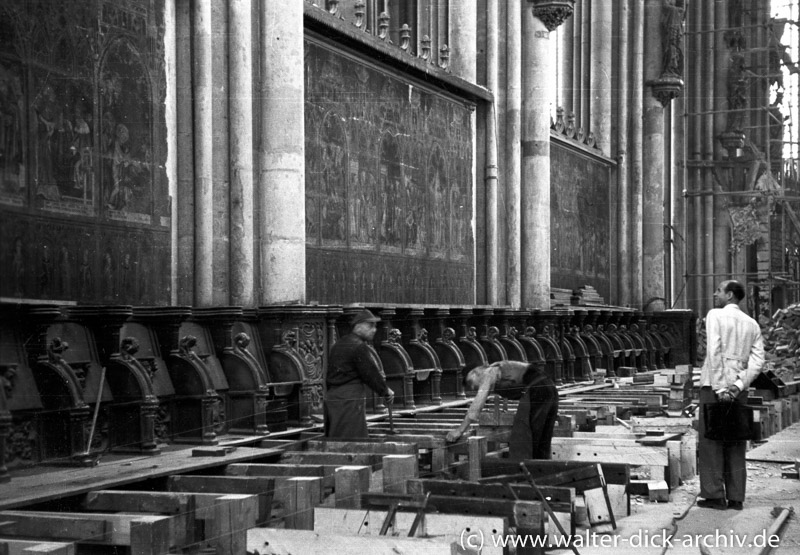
[734, 357]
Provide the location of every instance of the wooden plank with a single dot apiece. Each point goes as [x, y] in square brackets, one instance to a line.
[55, 484]
[263, 487]
[377, 448]
[605, 450]
[308, 457]
[280, 469]
[442, 527]
[308, 542]
[560, 498]
[106, 529]
[25, 547]
[614, 473]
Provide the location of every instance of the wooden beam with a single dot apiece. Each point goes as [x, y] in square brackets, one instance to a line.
[350, 482]
[396, 470]
[522, 514]
[377, 448]
[29, 547]
[145, 534]
[308, 542]
[310, 457]
[562, 499]
[263, 487]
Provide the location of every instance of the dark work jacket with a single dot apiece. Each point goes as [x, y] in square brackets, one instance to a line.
[350, 361]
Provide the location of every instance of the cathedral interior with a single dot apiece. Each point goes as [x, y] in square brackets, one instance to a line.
[196, 196]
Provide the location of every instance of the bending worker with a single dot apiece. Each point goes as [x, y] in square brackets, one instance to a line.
[351, 366]
[532, 430]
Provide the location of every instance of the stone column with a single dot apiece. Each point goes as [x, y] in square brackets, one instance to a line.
[721, 65]
[600, 74]
[171, 117]
[241, 153]
[183, 203]
[281, 182]
[463, 40]
[513, 161]
[203, 153]
[623, 183]
[536, 77]
[653, 176]
[697, 291]
[492, 238]
[637, 156]
[709, 76]
[569, 59]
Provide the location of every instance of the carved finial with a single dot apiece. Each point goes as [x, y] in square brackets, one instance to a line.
[129, 347]
[569, 130]
[333, 7]
[444, 56]
[186, 344]
[242, 340]
[425, 44]
[360, 10]
[492, 332]
[449, 334]
[7, 378]
[423, 336]
[472, 333]
[530, 331]
[395, 335]
[383, 26]
[405, 37]
[559, 125]
[56, 348]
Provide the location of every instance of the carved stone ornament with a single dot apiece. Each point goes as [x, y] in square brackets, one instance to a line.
[552, 12]
[666, 87]
[732, 140]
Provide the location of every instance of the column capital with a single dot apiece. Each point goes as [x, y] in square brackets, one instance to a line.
[552, 12]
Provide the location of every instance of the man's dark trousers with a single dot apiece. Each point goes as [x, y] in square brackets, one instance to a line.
[723, 468]
[532, 430]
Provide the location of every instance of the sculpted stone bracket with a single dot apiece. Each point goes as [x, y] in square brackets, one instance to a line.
[552, 12]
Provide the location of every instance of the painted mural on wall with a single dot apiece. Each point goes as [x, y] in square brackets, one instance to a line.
[388, 186]
[579, 221]
[83, 195]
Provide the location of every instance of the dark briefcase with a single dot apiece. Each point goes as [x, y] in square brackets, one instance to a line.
[731, 421]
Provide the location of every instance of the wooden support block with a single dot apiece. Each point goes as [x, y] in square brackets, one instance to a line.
[688, 456]
[227, 522]
[291, 542]
[26, 547]
[376, 448]
[478, 446]
[674, 467]
[601, 519]
[303, 496]
[658, 491]
[794, 399]
[350, 482]
[263, 487]
[396, 470]
[151, 537]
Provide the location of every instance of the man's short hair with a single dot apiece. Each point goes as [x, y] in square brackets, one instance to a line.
[736, 288]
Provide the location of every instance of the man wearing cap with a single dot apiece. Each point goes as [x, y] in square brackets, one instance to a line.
[351, 366]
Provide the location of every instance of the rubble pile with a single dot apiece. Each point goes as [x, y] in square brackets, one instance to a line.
[782, 342]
